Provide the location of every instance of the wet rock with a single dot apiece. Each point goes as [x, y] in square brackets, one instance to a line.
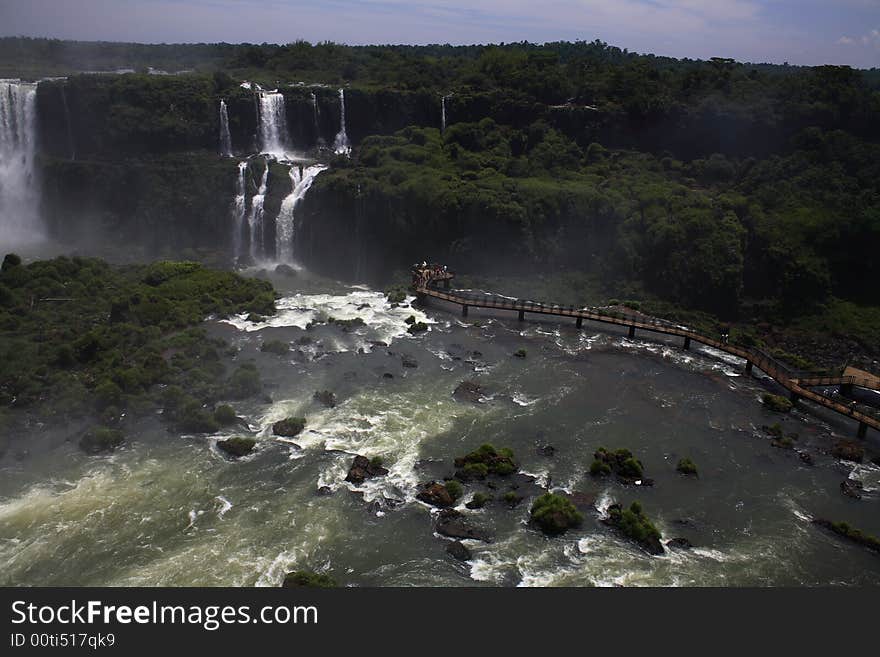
[378, 343]
[679, 544]
[453, 524]
[289, 427]
[459, 551]
[806, 457]
[408, 361]
[583, 501]
[324, 491]
[363, 468]
[387, 375]
[285, 270]
[848, 450]
[851, 488]
[843, 530]
[478, 501]
[302, 578]
[325, 397]
[547, 450]
[237, 447]
[468, 391]
[435, 493]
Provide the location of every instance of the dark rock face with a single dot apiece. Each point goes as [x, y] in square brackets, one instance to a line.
[583, 501]
[459, 551]
[285, 270]
[237, 447]
[806, 457]
[289, 427]
[323, 491]
[435, 494]
[547, 450]
[452, 523]
[409, 361]
[679, 544]
[468, 391]
[363, 469]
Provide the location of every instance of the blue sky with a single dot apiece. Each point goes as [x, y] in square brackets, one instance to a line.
[800, 32]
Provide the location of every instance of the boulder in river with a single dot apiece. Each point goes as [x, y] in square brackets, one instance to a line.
[326, 397]
[459, 551]
[289, 427]
[554, 514]
[453, 524]
[679, 544]
[237, 446]
[848, 450]
[98, 440]
[436, 494]
[851, 488]
[468, 391]
[305, 578]
[635, 525]
[363, 468]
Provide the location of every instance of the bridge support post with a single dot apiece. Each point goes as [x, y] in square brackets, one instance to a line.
[794, 397]
[863, 430]
[748, 368]
[446, 283]
[522, 315]
[632, 331]
[464, 310]
[580, 322]
[687, 343]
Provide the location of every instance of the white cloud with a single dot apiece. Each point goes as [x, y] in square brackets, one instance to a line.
[845, 41]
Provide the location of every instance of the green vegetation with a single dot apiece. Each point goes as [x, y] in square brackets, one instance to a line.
[454, 488]
[278, 347]
[511, 498]
[225, 415]
[417, 327]
[306, 578]
[486, 460]
[237, 446]
[776, 403]
[621, 462]
[397, 295]
[555, 514]
[78, 335]
[851, 533]
[686, 467]
[478, 501]
[98, 440]
[634, 524]
[520, 353]
[376, 462]
[289, 427]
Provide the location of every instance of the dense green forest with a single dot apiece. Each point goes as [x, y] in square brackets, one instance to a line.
[748, 191]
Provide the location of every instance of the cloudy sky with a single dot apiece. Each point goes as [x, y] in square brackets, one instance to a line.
[796, 31]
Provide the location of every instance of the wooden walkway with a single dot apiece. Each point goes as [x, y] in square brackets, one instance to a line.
[798, 384]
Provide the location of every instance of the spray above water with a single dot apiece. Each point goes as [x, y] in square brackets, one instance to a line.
[340, 144]
[285, 225]
[225, 137]
[255, 218]
[19, 197]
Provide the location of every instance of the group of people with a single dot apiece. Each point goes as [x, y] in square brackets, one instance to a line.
[424, 273]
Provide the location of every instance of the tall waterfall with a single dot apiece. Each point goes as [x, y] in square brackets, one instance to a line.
[274, 137]
[285, 225]
[239, 209]
[19, 197]
[442, 114]
[225, 137]
[255, 218]
[318, 137]
[340, 144]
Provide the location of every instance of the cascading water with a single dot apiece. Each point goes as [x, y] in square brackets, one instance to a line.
[225, 137]
[285, 225]
[19, 198]
[315, 112]
[341, 145]
[274, 137]
[255, 218]
[443, 114]
[239, 209]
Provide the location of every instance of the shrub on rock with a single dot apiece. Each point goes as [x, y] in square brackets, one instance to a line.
[225, 415]
[635, 525]
[289, 427]
[237, 446]
[621, 462]
[99, 440]
[478, 501]
[776, 403]
[363, 468]
[277, 347]
[555, 514]
[486, 460]
[848, 451]
[686, 467]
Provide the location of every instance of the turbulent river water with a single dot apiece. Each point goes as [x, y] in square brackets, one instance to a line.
[169, 509]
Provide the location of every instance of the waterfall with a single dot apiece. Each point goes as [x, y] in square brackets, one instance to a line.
[318, 138]
[225, 137]
[340, 144]
[255, 218]
[239, 209]
[442, 114]
[285, 225]
[274, 138]
[19, 198]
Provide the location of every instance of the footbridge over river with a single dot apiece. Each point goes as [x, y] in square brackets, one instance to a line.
[434, 282]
